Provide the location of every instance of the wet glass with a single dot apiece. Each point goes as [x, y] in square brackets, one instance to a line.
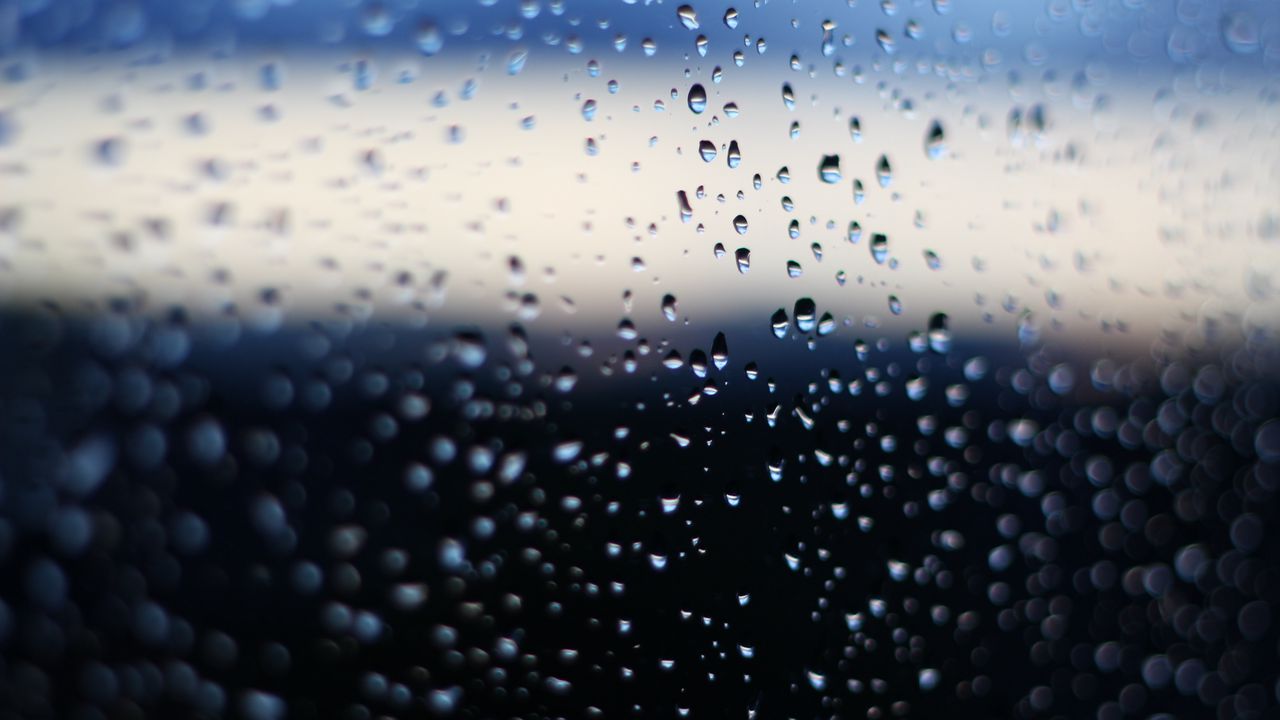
[897, 358]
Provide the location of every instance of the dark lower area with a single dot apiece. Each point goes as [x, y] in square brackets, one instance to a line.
[189, 527]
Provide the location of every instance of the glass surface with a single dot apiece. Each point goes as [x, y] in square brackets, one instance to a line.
[577, 359]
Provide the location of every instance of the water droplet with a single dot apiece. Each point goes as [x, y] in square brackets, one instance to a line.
[743, 257]
[516, 61]
[707, 150]
[720, 351]
[939, 333]
[669, 307]
[935, 141]
[829, 169]
[885, 41]
[779, 323]
[1241, 33]
[806, 312]
[731, 19]
[688, 17]
[879, 248]
[884, 173]
[682, 201]
[697, 98]
[740, 224]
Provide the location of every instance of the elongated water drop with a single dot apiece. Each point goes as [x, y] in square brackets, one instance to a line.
[720, 351]
[734, 157]
[829, 169]
[939, 333]
[884, 173]
[743, 257]
[707, 150]
[682, 200]
[697, 98]
[806, 312]
[779, 323]
[879, 248]
[935, 141]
